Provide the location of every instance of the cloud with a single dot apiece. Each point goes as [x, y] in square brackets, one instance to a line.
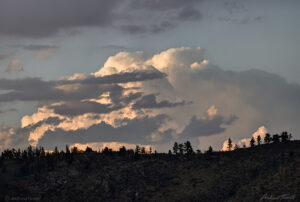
[252, 96]
[12, 137]
[9, 110]
[6, 55]
[137, 98]
[143, 29]
[38, 47]
[114, 47]
[36, 89]
[42, 51]
[14, 66]
[189, 13]
[149, 101]
[225, 146]
[73, 108]
[135, 131]
[261, 131]
[35, 18]
[160, 4]
[210, 124]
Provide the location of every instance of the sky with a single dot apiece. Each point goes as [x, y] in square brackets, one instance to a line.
[149, 72]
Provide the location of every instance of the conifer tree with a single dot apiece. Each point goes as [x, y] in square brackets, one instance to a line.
[175, 148]
[252, 141]
[229, 144]
[180, 148]
[258, 139]
[267, 138]
[188, 148]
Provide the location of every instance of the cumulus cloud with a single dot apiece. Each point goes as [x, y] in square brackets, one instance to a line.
[245, 142]
[135, 131]
[225, 146]
[261, 131]
[138, 98]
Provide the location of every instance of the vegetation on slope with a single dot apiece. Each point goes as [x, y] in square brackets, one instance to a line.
[262, 172]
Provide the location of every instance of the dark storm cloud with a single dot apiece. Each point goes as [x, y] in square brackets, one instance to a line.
[206, 127]
[149, 101]
[40, 18]
[36, 89]
[136, 131]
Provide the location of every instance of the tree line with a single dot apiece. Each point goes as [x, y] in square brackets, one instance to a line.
[276, 138]
[178, 149]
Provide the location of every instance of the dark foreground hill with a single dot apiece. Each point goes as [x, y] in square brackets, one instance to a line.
[267, 172]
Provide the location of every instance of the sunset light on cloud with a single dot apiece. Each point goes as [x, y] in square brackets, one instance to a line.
[149, 100]
[63, 83]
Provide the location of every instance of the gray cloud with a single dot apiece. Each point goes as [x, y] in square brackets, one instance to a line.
[14, 66]
[6, 55]
[161, 5]
[73, 108]
[134, 29]
[114, 47]
[36, 89]
[35, 18]
[9, 110]
[37, 47]
[149, 101]
[51, 120]
[143, 29]
[206, 127]
[136, 131]
[240, 20]
[13, 137]
[189, 13]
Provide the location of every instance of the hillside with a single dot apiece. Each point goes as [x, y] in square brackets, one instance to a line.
[249, 174]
